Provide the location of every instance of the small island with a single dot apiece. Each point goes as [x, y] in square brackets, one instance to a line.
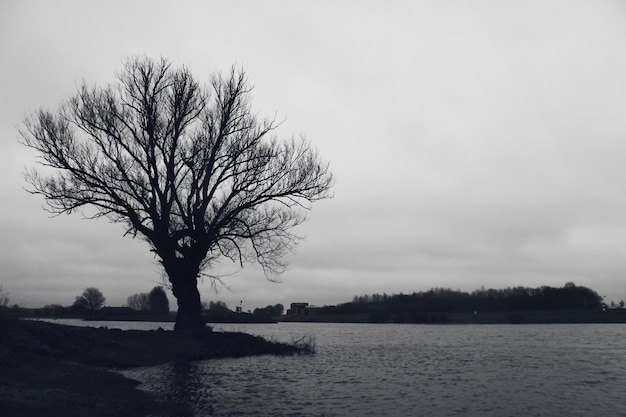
[48, 369]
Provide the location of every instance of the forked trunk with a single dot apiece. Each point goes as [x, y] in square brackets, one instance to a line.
[184, 279]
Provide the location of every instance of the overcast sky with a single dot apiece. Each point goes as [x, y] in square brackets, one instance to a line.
[475, 143]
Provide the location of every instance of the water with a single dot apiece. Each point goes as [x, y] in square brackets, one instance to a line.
[409, 370]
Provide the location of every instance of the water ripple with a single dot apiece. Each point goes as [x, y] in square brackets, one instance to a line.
[405, 370]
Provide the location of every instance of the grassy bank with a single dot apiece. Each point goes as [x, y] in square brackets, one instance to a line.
[48, 369]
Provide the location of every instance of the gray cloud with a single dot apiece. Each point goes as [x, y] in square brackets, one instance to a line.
[473, 145]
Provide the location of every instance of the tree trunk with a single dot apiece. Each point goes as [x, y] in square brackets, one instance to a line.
[184, 279]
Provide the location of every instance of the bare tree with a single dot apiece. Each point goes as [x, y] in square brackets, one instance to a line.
[138, 302]
[189, 168]
[91, 299]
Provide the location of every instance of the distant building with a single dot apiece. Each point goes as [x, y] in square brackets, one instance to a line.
[298, 309]
[302, 309]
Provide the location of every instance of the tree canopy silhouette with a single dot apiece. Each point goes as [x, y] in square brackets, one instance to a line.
[91, 299]
[158, 302]
[139, 302]
[188, 167]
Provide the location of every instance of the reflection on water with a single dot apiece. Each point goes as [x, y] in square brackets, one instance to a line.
[411, 370]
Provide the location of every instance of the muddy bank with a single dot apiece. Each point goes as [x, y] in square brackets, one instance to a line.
[48, 369]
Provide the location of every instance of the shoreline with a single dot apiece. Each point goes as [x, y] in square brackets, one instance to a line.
[617, 316]
[482, 317]
[49, 369]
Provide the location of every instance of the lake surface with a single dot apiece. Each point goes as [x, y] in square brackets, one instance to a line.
[408, 370]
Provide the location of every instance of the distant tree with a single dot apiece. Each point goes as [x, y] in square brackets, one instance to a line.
[158, 302]
[139, 302]
[217, 305]
[5, 298]
[91, 299]
[263, 312]
[278, 310]
[621, 304]
[190, 168]
[364, 298]
[52, 309]
[269, 311]
[570, 297]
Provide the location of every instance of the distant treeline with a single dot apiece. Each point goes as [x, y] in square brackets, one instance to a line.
[412, 307]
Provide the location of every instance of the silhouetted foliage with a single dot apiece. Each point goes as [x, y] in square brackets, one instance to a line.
[189, 168]
[278, 309]
[90, 300]
[154, 302]
[159, 304]
[421, 307]
[139, 302]
[217, 305]
[52, 308]
[5, 299]
[270, 311]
